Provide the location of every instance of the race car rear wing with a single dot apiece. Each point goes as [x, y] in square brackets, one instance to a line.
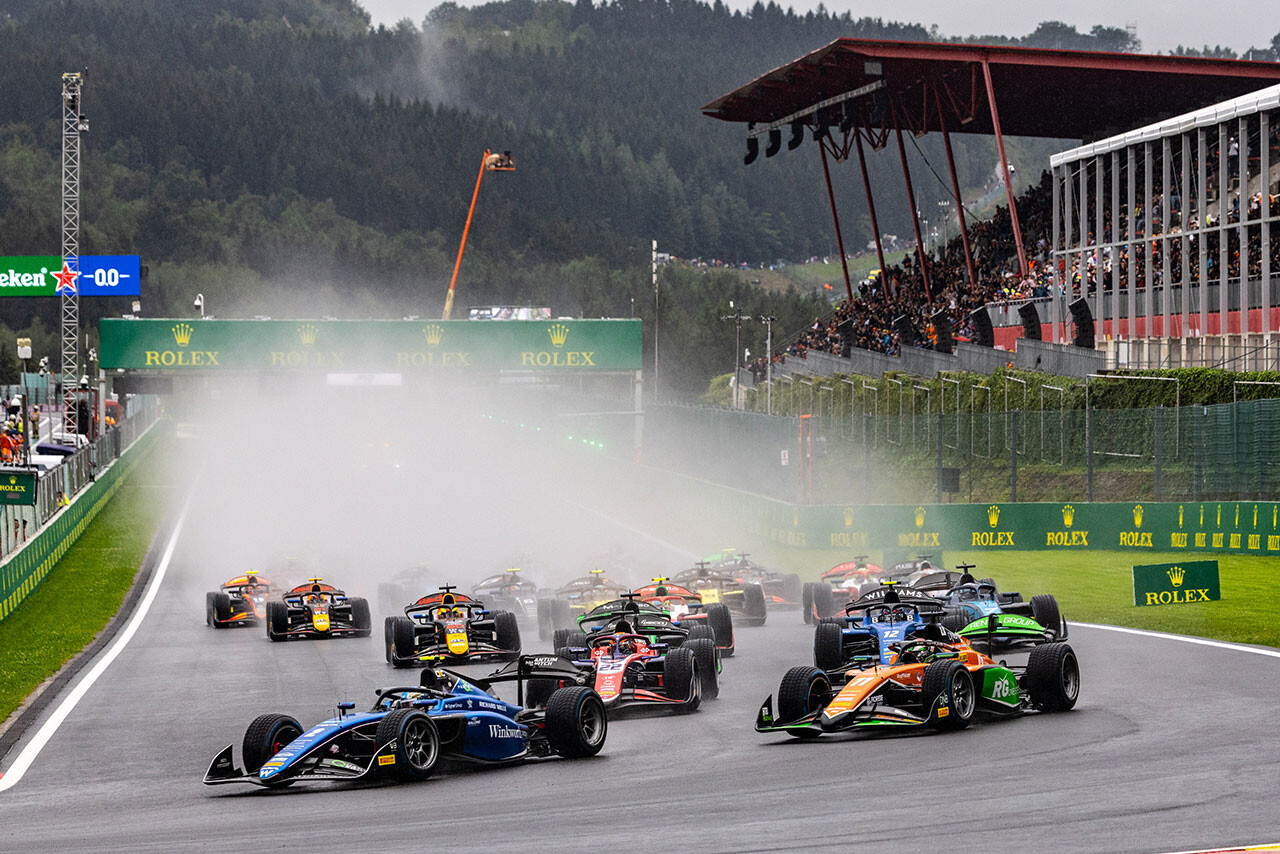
[527, 667]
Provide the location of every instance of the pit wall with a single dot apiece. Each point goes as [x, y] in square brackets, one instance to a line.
[20, 575]
[689, 508]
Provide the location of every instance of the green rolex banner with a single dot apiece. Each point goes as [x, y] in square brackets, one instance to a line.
[17, 487]
[1176, 583]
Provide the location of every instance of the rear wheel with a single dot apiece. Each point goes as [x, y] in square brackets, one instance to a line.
[1053, 677]
[704, 651]
[701, 630]
[573, 638]
[403, 642]
[828, 646]
[545, 622]
[946, 690]
[507, 631]
[804, 690]
[954, 622]
[753, 604]
[560, 637]
[722, 624]
[806, 602]
[680, 677]
[791, 589]
[387, 638]
[360, 617]
[417, 744]
[277, 620]
[824, 604]
[576, 722]
[265, 737]
[1044, 610]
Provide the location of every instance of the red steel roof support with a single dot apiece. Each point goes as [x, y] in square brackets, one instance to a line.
[835, 218]
[955, 188]
[1004, 166]
[871, 208]
[915, 216]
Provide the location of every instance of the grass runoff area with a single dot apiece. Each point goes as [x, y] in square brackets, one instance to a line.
[75, 601]
[1097, 587]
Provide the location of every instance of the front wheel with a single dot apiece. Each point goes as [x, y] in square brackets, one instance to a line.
[806, 602]
[277, 620]
[1044, 610]
[576, 722]
[1053, 677]
[804, 691]
[754, 609]
[361, 620]
[506, 631]
[265, 737]
[403, 642]
[417, 744]
[704, 651]
[947, 693]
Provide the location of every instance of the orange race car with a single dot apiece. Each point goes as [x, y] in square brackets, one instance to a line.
[242, 601]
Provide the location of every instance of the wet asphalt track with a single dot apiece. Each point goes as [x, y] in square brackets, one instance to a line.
[1172, 746]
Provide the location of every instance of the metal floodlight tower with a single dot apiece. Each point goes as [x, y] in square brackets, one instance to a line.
[491, 162]
[73, 124]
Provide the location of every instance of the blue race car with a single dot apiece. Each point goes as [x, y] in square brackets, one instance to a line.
[410, 730]
[874, 626]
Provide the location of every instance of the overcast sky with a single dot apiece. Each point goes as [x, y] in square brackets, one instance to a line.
[1161, 24]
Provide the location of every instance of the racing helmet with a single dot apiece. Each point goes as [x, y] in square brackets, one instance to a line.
[623, 628]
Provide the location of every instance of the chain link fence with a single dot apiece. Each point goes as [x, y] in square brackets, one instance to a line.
[906, 443]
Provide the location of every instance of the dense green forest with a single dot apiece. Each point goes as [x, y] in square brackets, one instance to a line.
[283, 157]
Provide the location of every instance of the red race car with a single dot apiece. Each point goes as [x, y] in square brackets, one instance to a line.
[687, 607]
[629, 670]
[242, 601]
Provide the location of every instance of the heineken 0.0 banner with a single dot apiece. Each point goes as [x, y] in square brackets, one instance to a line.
[1176, 583]
[370, 346]
[44, 276]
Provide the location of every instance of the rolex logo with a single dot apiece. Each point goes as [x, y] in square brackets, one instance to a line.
[12, 479]
[1137, 515]
[848, 517]
[920, 511]
[1068, 514]
[307, 334]
[1179, 515]
[1176, 574]
[182, 334]
[993, 515]
[433, 333]
[558, 332]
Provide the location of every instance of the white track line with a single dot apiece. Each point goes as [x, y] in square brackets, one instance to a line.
[46, 732]
[1271, 653]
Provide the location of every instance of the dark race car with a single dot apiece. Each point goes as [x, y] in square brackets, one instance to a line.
[629, 670]
[744, 599]
[872, 627]
[405, 586]
[450, 627]
[508, 591]
[317, 610]
[970, 602]
[635, 615]
[781, 589]
[574, 599]
[412, 729]
[242, 601]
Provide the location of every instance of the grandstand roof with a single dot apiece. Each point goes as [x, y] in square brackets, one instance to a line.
[1064, 94]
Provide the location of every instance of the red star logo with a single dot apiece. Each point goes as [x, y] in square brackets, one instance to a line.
[66, 280]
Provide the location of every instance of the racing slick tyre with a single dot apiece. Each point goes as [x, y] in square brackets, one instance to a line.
[417, 744]
[701, 630]
[754, 610]
[1044, 610]
[576, 722]
[803, 691]
[277, 620]
[704, 651]
[828, 646]
[954, 622]
[1053, 677]
[791, 588]
[722, 624]
[402, 642]
[806, 602]
[217, 609]
[265, 737]
[948, 696]
[506, 631]
[680, 677]
[360, 618]
[824, 604]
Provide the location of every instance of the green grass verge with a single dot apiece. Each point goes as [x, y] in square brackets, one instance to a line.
[75, 601]
[1097, 587]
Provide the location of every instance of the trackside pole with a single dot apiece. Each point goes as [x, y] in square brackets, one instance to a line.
[457, 265]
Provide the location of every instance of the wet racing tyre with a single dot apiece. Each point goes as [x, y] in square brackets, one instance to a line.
[1053, 677]
[360, 617]
[417, 744]
[277, 620]
[266, 736]
[948, 695]
[217, 606]
[506, 631]
[576, 723]
[753, 605]
[806, 602]
[1044, 610]
[828, 646]
[403, 642]
[680, 676]
[804, 690]
[704, 652]
[824, 604]
[722, 624]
